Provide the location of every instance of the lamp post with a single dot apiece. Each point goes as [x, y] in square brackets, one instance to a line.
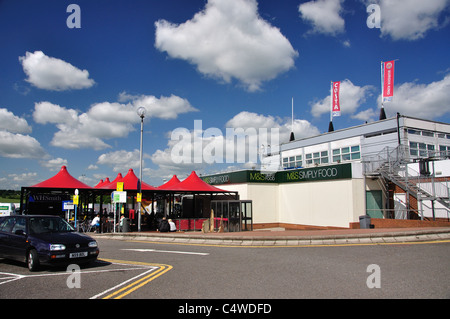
[141, 112]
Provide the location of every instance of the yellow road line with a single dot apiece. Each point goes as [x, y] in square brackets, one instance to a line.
[118, 294]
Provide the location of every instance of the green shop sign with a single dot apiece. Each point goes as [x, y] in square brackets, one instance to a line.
[321, 173]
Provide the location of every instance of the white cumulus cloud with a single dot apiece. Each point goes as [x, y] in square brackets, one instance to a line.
[429, 101]
[53, 74]
[410, 19]
[229, 40]
[167, 108]
[121, 161]
[324, 16]
[13, 143]
[105, 120]
[20, 146]
[12, 123]
[240, 143]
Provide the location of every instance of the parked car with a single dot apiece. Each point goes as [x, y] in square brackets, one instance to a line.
[40, 239]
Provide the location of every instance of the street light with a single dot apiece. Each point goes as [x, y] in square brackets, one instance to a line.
[141, 112]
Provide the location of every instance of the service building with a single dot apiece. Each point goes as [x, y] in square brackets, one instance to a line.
[394, 170]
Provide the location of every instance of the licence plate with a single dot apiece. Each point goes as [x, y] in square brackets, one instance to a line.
[78, 255]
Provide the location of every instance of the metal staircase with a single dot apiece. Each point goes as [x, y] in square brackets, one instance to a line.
[391, 165]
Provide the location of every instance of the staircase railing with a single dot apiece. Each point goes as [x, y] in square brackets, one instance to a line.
[391, 164]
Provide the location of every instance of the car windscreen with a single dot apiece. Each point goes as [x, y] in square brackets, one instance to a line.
[43, 224]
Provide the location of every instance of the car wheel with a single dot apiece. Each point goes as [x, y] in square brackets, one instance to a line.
[33, 260]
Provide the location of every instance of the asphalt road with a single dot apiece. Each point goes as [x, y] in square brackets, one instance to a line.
[175, 271]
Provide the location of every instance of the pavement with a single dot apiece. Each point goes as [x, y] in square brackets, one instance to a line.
[281, 237]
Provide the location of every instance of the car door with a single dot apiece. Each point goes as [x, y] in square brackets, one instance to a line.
[18, 238]
[6, 226]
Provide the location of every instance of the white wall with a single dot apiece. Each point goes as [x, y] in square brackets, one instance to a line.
[325, 203]
[264, 197]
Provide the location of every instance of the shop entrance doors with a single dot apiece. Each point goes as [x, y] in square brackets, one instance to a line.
[235, 215]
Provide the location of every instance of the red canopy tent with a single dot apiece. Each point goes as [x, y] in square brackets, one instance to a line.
[103, 183]
[171, 183]
[130, 183]
[113, 183]
[47, 196]
[194, 184]
[62, 180]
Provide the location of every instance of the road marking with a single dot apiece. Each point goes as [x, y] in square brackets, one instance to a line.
[9, 277]
[155, 271]
[152, 272]
[167, 251]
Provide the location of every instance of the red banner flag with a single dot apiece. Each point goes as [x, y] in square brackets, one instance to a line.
[335, 106]
[388, 81]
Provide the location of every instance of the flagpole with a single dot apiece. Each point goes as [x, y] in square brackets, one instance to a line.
[292, 137]
[292, 127]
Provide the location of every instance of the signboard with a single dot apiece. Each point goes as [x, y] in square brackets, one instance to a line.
[139, 197]
[119, 186]
[119, 197]
[68, 205]
[321, 173]
[75, 199]
[336, 106]
[388, 81]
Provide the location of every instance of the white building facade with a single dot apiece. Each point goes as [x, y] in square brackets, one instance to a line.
[390, 169]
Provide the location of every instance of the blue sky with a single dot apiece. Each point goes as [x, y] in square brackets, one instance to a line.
[68, 96]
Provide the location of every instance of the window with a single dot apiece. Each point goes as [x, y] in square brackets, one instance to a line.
[413, 149]
[19, 225]
[415, 132]
[346, 154]
[298, 161]
[444, 150]
[317, 158]
[308, 159]
[421, 149]
[7, 224]
[292, 161]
